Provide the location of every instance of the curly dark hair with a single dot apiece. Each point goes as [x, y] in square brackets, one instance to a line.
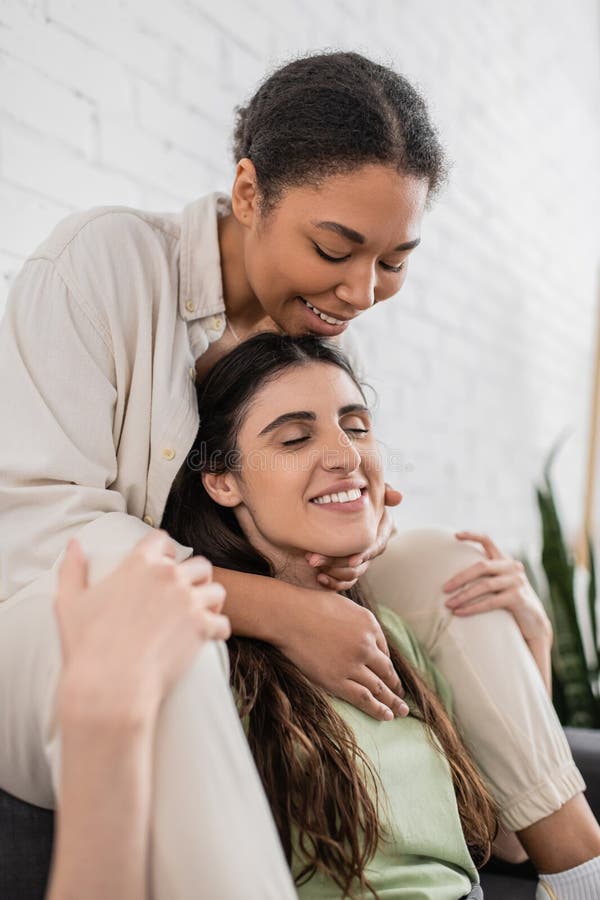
[329, 113]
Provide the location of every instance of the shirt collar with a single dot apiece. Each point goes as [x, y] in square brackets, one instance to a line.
[200, 283]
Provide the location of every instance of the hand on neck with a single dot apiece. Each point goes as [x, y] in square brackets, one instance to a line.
[288, 563]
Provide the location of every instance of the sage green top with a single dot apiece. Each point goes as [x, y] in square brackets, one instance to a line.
[426, 857]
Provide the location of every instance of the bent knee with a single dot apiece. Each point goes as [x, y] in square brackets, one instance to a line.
[433, 551]
[410, 574]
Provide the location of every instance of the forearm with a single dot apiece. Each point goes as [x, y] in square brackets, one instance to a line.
[331, 639]
[101, 846]
[258, 606]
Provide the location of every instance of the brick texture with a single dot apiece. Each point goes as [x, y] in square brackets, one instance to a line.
[485, 356]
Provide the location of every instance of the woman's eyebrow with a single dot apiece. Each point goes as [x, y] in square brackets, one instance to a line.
[303, 415]
[358, 238]
[354, 407]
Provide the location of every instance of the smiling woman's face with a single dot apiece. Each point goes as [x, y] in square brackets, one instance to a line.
[340, 247]
[310, 475]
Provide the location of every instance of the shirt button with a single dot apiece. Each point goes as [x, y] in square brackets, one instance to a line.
[218, 322]
[192, 372]
[190, 305]
[168, 453]
[149, 521]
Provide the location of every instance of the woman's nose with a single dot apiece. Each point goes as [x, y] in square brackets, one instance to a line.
[358, 289]
[341, 453]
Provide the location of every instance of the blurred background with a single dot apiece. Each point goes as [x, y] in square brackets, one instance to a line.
[487, 355]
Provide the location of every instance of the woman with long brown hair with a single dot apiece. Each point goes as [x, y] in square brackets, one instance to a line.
[285, 462]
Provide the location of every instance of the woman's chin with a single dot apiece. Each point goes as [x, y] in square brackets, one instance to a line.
[335, 547]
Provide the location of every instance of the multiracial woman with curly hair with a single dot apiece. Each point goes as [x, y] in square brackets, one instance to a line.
[107, 327]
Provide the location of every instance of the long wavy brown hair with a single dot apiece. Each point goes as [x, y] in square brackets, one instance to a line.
[318, 781]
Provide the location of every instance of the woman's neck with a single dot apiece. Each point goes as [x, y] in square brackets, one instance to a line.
[242, 306]
[288, 563]
[298, 571]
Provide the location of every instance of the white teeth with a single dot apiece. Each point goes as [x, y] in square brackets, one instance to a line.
[329, 319]
[342, 497]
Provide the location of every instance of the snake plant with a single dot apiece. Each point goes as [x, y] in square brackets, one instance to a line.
[575, 681]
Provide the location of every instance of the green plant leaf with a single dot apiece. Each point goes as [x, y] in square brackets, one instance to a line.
[573, 691]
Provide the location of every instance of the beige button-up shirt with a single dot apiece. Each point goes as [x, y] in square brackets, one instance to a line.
[97, 351]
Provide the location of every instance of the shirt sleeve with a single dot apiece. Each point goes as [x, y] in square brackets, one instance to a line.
[408, 645]
[57, 454]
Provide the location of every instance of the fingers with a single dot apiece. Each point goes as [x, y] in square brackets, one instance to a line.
[357, 560]
[360, 696]
[341, 579]
[483, 569]
[215, 627]
[73, 571]
[331, 563]
[209, 596]
[384, 530]
[375, 550]
[196, 570]
[392, 496]
[381, 666]
[497, 601]
[156, 544]
[207, 605]
[72, 580]
[315, 560]
[484, 586]
[382, 693]
[382, 645]
[489, 546]
[337, 586]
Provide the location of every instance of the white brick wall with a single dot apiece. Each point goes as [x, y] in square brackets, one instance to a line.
[486, 355]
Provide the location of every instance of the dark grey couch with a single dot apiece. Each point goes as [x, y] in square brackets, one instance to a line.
[26, 839]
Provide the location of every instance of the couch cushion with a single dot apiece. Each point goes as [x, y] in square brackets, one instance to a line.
[26, 834]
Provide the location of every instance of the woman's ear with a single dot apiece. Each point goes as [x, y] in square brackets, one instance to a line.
[222, 488]
[244, 196]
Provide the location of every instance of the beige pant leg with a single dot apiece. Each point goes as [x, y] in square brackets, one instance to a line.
[212, 834]
[500, 702]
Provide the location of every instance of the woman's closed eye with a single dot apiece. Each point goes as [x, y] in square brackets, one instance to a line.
[357, 425]
[357, 432]
[298, 440]
[339, 259]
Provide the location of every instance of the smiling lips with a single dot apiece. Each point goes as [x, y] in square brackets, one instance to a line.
[329, 319]
[350, 496]
[341, 497]
[350, 501]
